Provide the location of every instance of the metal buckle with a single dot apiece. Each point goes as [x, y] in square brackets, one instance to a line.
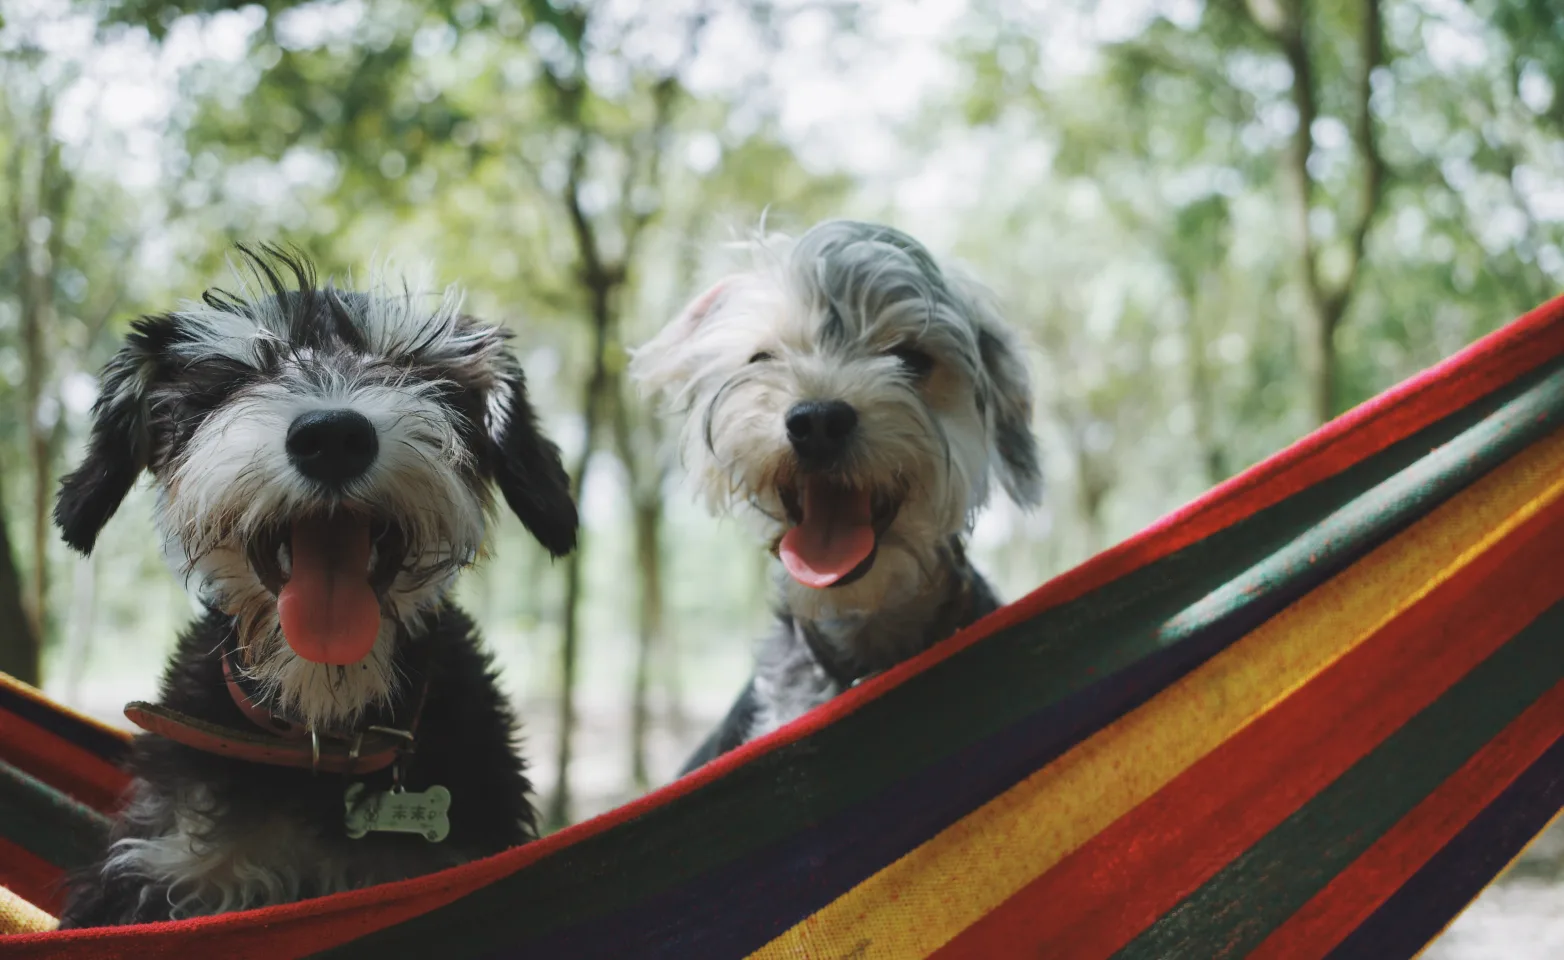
[401, 756]
[392, 731]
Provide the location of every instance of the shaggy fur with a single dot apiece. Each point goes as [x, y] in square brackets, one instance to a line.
[203, 399]
[203, 834]
[857, 314]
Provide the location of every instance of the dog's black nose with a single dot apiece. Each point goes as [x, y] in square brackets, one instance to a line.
[332, 446]
[819, 430]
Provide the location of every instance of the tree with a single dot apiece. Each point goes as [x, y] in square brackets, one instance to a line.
[64, 276]
[18, 644]
[1328, 291]
[39, 190]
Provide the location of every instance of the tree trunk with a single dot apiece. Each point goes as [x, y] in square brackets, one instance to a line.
[38, 461]
[1197, 346]
[1316, 334]
[18, 643]
[44, 446]
[30, 297]
[1319, 360]
[1326, 304]
[1093, 490]
[643, 469]
[83, 625]
[649, 629]
[41, 192]
[558, 813]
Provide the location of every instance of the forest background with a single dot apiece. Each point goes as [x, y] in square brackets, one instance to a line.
[1218, 224]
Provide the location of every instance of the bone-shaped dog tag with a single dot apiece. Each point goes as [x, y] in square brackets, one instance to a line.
[408, 811]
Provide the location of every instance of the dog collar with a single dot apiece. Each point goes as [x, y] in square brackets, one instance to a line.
[280, 742]
[366, 753]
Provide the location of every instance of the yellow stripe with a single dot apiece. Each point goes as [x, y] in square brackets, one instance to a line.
[19, 916]
[917, 904]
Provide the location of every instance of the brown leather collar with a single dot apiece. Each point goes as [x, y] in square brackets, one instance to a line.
[366, 753]
[280, 742]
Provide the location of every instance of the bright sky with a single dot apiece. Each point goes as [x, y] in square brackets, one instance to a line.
[839, 97]
[838, 104]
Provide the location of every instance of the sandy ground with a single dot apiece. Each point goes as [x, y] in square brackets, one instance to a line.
[1518, 920]
[1520, 917]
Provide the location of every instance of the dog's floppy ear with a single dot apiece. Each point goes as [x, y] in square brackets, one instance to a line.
[119, 444]
[528, 470]
[661, 367]
[1009, 402]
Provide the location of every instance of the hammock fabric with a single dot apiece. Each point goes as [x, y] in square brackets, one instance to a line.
[1311, 714]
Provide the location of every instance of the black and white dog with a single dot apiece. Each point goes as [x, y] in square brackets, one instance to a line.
[323, 462]
[854, 396]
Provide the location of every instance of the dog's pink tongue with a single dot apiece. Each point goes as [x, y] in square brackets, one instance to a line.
[328, 610]
[835, 536]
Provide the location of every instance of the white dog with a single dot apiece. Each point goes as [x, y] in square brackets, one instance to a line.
[854, 396]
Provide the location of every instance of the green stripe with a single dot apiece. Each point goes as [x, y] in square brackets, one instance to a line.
[47, 823]
[1395, 502]
[1240, 906]
[985, 688]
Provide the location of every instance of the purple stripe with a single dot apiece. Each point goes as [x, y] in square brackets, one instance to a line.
[107, 746]
[1451, 879]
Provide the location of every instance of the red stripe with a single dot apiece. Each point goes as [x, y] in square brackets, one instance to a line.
[1105, 893]
[1359, 890]
[273, 933]
[68, 768]
[32, 878]
[1478, 370]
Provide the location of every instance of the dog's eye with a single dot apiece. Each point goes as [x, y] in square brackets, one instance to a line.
[916, 362]
[761, 357]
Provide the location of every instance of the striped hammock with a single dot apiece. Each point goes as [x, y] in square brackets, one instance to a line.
[1312, 714]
